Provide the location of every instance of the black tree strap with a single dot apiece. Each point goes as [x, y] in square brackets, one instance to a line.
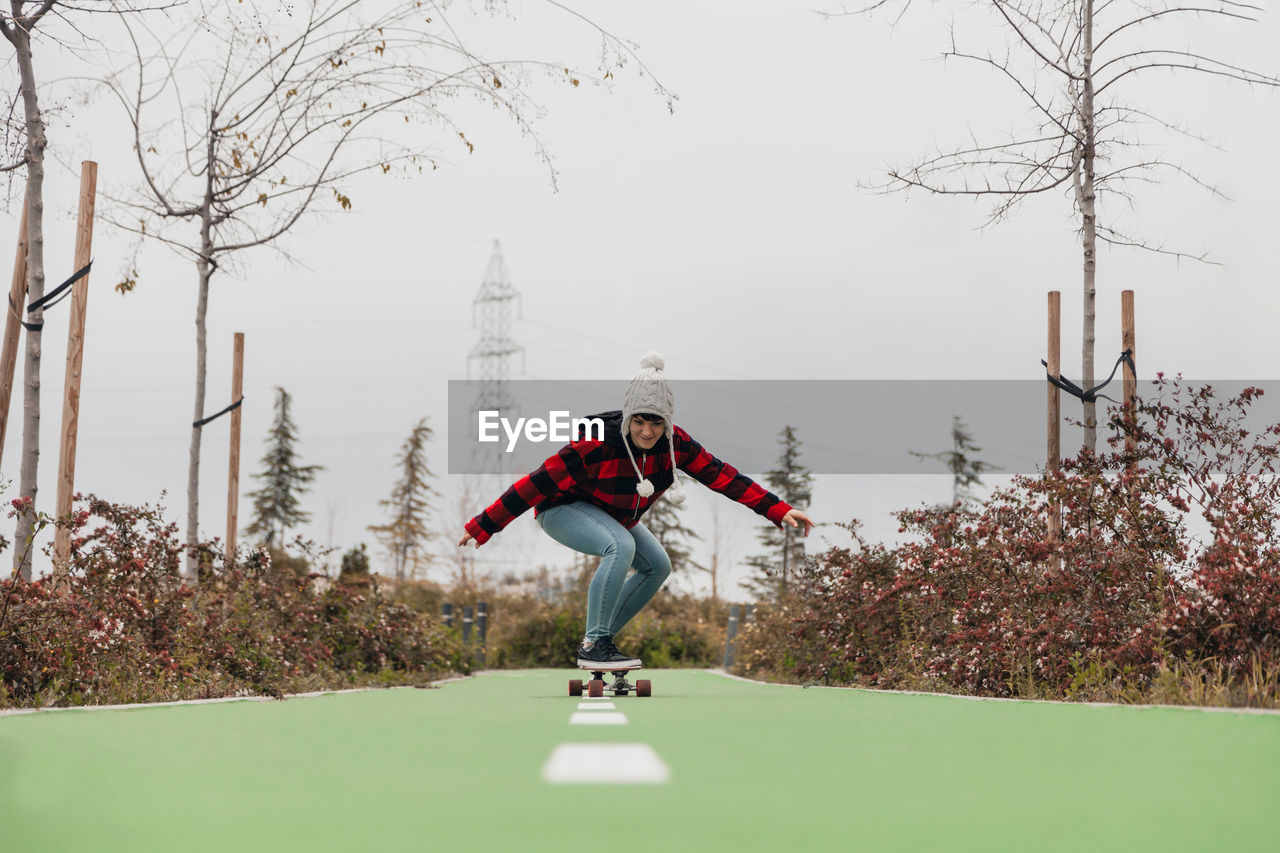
[234, 405]
[1092, 394]
[51, 298]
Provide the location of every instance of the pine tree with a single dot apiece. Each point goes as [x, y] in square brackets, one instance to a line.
[784, 549]
[405, 535]
[663, 521]
[284, 480]
[355, 570]
[966, 470]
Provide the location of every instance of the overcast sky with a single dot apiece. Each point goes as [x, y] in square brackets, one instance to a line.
[730, 235]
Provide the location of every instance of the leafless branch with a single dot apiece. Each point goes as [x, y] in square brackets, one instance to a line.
[1058, 65]
[139, 228]
[1003, 68]
[1183, 60]
[1113, 238]
[870, 8]
[1047, 153]
[1161, 13]
[17, 20]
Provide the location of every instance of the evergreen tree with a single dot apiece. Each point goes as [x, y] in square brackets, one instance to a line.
[284, 480]
[355, 570]
[405, 535]
[966, 469]
[784, 548]
[663, 521]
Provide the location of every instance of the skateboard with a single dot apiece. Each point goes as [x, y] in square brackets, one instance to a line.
[596, 687]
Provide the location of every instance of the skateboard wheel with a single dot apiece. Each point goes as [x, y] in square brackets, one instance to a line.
[575, 687]
[644, 687]
[595, 688]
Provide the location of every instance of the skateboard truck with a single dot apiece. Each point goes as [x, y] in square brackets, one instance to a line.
[620, 686]
[597, 686]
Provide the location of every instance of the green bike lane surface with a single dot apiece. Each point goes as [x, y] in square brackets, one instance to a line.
[753, 767]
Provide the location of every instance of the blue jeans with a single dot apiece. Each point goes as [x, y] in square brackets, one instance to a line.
[613, 598]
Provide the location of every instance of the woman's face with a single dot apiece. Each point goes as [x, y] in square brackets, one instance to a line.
[645, 434]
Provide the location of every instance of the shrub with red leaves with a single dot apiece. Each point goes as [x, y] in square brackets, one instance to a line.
[981, 599]
[122, 625]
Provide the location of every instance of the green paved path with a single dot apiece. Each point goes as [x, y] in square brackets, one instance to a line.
[753, 767]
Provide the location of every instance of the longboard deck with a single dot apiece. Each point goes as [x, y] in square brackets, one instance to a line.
[595, 667]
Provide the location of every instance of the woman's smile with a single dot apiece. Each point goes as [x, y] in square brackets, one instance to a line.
[645, 434]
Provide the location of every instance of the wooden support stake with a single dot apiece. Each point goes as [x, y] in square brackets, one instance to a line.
[75, 359]
[1054, 445]
[1127, 342]
[233, 473]
[13, 326]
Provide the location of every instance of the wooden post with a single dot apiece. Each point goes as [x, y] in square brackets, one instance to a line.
[13, 326]
[1053, 450]
[1127, 340]
[233, 474]
[75, 358]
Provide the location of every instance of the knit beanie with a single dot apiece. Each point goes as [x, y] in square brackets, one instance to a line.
[650, 394]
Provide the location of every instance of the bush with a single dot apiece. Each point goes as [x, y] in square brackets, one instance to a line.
[763, 648]
[983, 600]
[420, 596]
[677, 630]
[122, 625]
[672, 631]
[528, 632]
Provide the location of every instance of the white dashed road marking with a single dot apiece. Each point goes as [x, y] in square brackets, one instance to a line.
[601, 718]
[622, 763]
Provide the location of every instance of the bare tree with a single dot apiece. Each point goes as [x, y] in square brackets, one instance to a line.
[252, 115]
[24, 144]
[332, 511]
[1079, 65]
[722, 555]
[466, 505]
[17, 27]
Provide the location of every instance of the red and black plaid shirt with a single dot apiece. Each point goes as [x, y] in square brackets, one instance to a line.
[600, 472]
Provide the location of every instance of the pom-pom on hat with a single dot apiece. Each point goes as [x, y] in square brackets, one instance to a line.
[650, 394]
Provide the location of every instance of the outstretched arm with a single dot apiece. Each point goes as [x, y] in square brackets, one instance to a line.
[728, 481]
[552, 477]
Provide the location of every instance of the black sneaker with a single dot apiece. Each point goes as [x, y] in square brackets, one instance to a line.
[605, 654]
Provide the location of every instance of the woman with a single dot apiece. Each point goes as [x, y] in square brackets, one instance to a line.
[591, 495]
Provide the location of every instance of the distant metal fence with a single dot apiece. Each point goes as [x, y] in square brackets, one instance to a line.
[475, 620]
[738, 616]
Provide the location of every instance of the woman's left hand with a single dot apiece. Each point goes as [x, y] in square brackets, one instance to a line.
[795, 518]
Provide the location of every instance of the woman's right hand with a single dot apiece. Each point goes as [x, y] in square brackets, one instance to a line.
[467, 537]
